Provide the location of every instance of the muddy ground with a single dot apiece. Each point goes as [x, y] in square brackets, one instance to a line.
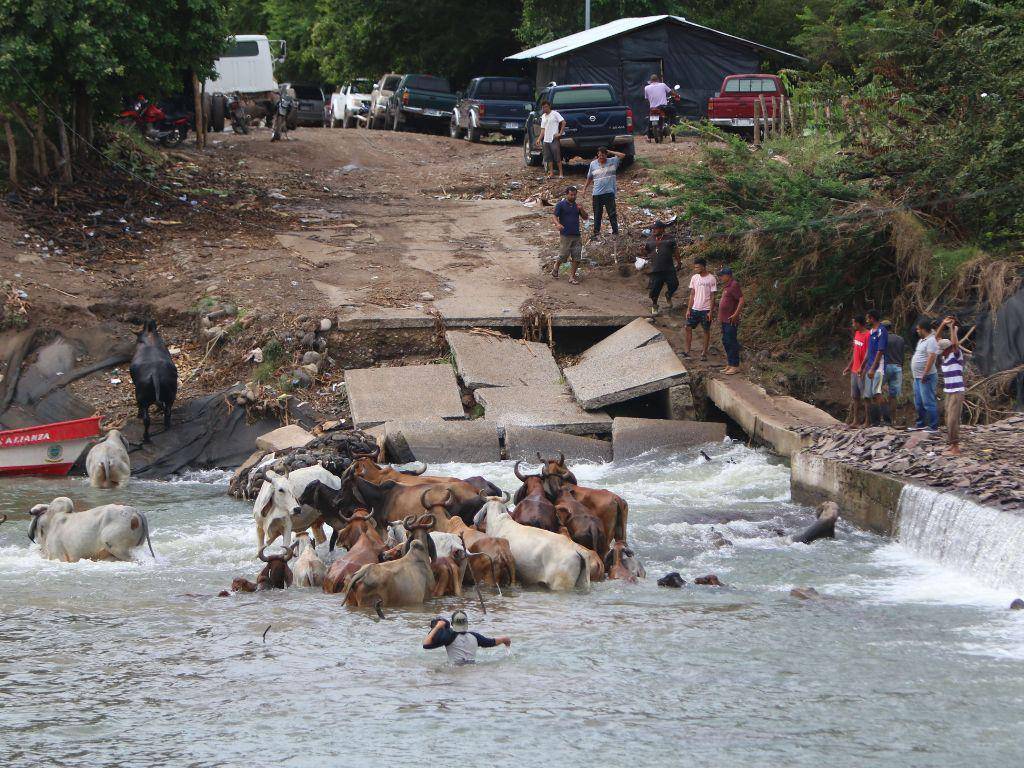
[339, 225]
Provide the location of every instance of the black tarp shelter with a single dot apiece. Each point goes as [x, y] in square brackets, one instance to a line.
[626, 52]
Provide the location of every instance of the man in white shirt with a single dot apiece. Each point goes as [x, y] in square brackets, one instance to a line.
[457, 640]
[551, 125]
[657, 92]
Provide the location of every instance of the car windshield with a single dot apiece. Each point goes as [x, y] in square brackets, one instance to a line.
[428, 83]
[750, 85]
[390, 83]
[308, 92]
[590, 96]
[520, 90]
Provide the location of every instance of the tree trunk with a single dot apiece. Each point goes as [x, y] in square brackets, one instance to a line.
[12, 151]
[65, 145]
[42, 167]
[83, 120]
[197, 100]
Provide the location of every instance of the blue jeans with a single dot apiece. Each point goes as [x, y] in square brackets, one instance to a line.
[894, 379]
[925, 402]
[731, 344]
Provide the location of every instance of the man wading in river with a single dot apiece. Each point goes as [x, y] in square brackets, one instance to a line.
[457, 640]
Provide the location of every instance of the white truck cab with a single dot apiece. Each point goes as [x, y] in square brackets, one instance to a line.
[243, 84]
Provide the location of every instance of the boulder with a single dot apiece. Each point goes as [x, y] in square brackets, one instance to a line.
[284, 438]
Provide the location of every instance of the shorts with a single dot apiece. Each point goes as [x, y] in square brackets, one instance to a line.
[894, 380]
[570, 248]
[856, 386]
[699, 317]
[873, 384]
[552, 152]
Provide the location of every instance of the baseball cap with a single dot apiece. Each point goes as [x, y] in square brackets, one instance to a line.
[945, 344]
[725, 271]
[460, 621]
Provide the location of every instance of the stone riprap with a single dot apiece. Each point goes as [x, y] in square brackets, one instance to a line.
[490, 359]
[632, 437]
[524, 443]
[548, 406]
[437, 440]
[406, 393]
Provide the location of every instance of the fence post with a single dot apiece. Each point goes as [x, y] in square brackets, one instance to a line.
[792, 121]
[764, 115]
[757, 126]
[782, 115]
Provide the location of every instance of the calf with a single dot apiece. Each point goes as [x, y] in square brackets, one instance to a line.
[364, 545]
[107, 462]
[309, 570]
[623, 564]
[154, 375]
[610, 508]
[275, 504]
[490, 558]
[275, 574]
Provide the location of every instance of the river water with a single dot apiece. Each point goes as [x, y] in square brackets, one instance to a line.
[900, 663]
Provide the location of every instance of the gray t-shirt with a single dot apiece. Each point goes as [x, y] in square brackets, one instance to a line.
[603, 175]
[926, 346]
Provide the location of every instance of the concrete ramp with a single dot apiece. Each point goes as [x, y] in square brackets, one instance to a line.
[490, 359]
[769, 419]
[549, 406]
[633, 361]
[406, 393]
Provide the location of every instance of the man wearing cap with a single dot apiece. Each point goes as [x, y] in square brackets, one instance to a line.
[951, 360]
[729, 316]
[457, 640]
[664, 260]
[570, 247]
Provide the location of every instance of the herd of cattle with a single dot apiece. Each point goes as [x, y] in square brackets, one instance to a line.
[409, 536]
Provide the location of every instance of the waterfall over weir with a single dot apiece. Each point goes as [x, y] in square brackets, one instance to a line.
[981, 541]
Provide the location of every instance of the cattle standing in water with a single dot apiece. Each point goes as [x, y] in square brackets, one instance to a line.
[333, 505]
[610, 508]
[822, 528]
[275, 504]
[500, 568]
[275, 574]
[532, 505]
[623, 564]
[309, 570]
[582, 525]
[154, 375]
[466, 497]
[364, 545]
[108, 532]
[107, 462]
[407, 581]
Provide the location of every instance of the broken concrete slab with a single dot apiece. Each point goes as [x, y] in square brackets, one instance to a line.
[548, 406]
[405, 393]
[436, 440]
[491, 360]
[632, 437]
[523, 443]
[636, 334]
[283, 438]
[607, 379]
[680, 403]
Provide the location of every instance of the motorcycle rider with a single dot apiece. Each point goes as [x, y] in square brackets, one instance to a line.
[657, 95]
[284, 107]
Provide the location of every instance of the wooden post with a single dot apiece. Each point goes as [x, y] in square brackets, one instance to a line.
[757, 125]
[782, 115]
[792, 121]
[12, 151]
[764, 114]
[197, 105]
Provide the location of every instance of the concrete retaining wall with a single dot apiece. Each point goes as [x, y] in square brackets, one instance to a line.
[867, 499]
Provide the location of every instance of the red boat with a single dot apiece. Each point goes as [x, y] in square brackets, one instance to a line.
[49, 449]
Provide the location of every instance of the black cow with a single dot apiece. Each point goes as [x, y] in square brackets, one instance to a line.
[154, 375]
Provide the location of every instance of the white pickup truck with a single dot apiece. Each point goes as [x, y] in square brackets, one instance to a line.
[243, 80]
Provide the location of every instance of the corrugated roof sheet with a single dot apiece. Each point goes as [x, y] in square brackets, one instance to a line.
[618, 27]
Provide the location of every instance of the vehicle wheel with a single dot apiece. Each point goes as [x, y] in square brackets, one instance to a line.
[454, 130]
[207, 109]
[528, 158]
[473, 133]
[347, 121]
[217, 110]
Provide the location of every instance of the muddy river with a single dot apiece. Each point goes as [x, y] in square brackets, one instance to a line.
[900, 663]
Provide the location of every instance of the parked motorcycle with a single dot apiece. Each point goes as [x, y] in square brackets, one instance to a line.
[239, 117]
[154, 122]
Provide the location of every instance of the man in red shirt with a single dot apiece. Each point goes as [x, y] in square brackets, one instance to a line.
[858, 406]
[729, 307]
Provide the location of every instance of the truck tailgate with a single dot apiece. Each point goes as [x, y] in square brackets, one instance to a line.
[591, 126]
[509, 109]
[444, 102]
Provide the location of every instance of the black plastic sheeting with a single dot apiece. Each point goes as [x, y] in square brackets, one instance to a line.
[692, 58]
[999, 342]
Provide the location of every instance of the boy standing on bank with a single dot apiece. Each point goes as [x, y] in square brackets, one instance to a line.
[700, 305]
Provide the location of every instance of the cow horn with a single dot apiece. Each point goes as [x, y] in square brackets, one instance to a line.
[427, 520]
[448, 499]
[408, 521]
[365, 516]
[518, 473]
[262, 556]
[561, 458]
[505, 497]
[423, 498]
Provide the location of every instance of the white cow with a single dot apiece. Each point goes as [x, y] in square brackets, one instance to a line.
[542, 557]
[108, 532]
[308, 569]
[444, 543]
[273, 510]
[107, 463]
[299, 479]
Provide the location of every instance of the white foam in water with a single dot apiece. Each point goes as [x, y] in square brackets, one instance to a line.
[984, 542]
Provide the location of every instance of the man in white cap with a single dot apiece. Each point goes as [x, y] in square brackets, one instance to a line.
[456, 638]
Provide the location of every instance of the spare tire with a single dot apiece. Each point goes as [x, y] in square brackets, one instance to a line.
[217, 111]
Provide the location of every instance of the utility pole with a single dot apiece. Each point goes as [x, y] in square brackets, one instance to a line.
[586, 14]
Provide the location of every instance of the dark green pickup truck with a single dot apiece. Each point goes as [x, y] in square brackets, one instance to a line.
[425, 101]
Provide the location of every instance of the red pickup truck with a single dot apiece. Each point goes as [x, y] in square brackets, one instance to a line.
[733, 105]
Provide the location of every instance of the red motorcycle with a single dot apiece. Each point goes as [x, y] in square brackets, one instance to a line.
[657, 127]
[167, 130]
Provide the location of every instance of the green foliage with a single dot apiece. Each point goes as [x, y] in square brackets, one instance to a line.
[293, 21]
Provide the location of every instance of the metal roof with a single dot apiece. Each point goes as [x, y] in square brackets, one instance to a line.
[618, 27]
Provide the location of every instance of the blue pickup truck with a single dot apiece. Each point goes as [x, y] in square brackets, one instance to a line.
[492, 105]
[594, 117]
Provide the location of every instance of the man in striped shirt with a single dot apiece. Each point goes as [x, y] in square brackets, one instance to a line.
[951, 359]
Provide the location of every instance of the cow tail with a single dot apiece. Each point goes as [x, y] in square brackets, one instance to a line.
[583, 580]
[105, 463]
[622, 508]
[145, 531]
[356, 578]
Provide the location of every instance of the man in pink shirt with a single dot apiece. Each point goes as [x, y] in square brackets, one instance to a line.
[700, 306]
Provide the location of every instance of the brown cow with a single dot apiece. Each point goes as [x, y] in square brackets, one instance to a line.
[406, 581]
[557, 467]
[532, 504]
[583, 525]
[275, 574]
[622, 563]
[364, 546]
[467, 500]
[449, 573]
[610, 508]
[498, 568]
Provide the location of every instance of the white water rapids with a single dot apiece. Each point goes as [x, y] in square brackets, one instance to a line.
[903, 662]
